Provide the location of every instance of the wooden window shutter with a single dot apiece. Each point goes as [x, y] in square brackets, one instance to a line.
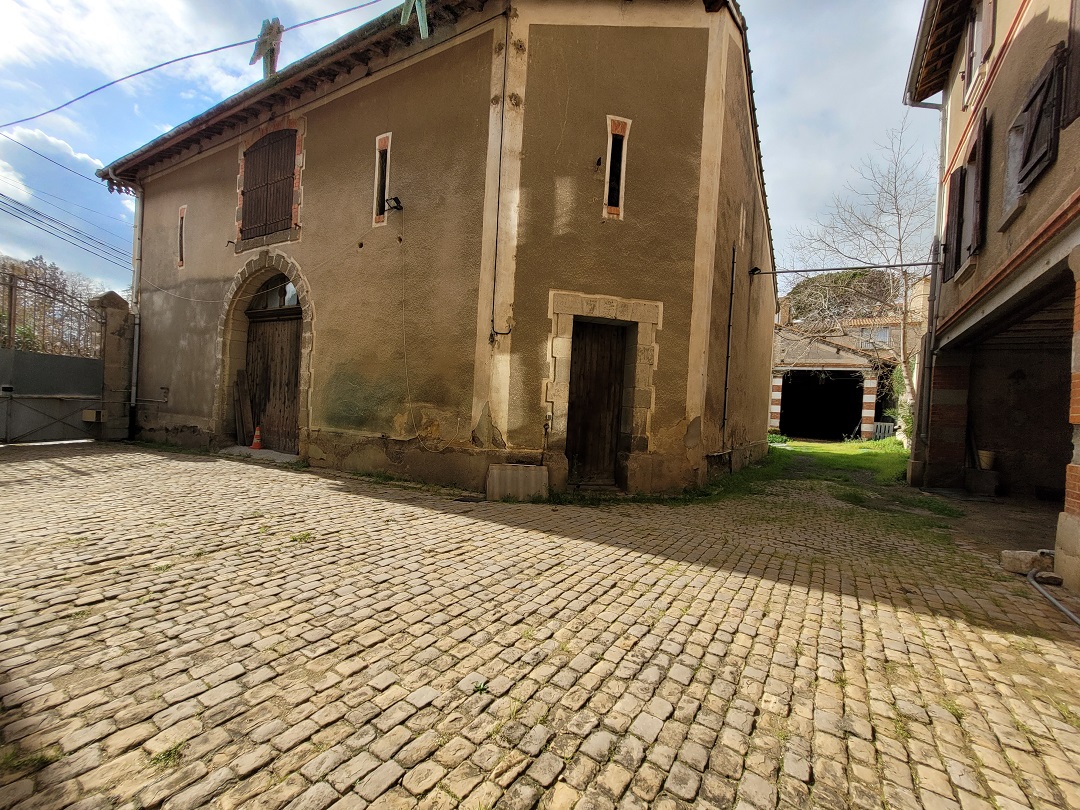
[269, 165]
[1071, 108]
[1043, 113]
[953, 224]
[979, 165]
[988, 16]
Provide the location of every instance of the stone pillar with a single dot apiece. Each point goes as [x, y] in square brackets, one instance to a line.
[1067, 545]
[117, 340]
[774, 403]
[946, 451]
[869, 406]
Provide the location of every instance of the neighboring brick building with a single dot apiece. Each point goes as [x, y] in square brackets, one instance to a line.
[835, 382]
[511, 241]
[1006, 320]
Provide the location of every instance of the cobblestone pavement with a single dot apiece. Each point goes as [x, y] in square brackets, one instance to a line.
[186, 631]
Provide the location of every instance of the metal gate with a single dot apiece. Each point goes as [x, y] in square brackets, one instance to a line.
[50, 362]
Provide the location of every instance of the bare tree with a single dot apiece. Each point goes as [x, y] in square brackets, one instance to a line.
[884, 217]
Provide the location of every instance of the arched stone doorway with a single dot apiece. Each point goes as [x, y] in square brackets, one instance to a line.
[273, 363]
[265, 330]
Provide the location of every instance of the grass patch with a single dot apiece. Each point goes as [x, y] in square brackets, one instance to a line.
[885, 459]
[953, 708]
[928, 503]
[853, 496]
[14, 761]
[169, 758]
[302, 537]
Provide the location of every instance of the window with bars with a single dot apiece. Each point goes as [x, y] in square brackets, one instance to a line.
[269, 168]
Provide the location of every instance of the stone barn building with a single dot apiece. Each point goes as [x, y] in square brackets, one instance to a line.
[525, 238]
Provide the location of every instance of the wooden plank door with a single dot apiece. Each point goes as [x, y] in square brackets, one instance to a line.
[597, 360]
[273, 372]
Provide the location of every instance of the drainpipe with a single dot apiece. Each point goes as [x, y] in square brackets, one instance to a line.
[136, 284]
[727, 362]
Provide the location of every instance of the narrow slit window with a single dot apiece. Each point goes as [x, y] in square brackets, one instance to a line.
[382, 178]
[615, 187]
[180, 236]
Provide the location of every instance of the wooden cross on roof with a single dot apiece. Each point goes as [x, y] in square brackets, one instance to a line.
[267, 46]
[421, 15]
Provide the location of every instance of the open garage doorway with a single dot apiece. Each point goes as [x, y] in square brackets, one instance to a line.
[821, 404]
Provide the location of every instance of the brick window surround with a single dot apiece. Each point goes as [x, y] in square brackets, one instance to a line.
[246, 142]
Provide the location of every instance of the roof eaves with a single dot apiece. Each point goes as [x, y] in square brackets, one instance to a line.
[121, 173]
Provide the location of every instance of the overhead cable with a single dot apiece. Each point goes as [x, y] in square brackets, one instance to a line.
[35, 192]
[93, 180]
[72, 213]
[181, 59]
[30, 211]
[63, 239]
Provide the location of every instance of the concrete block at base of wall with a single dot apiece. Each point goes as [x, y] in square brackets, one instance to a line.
[522, 482]
[1021, 562]
[1067, 551]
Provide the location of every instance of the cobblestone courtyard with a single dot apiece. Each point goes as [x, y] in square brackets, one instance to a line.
[188, 631]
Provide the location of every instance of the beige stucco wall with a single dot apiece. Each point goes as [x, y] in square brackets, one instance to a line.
[178, 323]
[1022, 45]
[742, 224]
[437, 110]
[564, 242]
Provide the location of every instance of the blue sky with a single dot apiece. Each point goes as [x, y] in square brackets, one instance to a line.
[828, 78]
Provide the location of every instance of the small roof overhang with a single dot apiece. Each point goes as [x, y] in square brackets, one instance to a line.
[940, 29]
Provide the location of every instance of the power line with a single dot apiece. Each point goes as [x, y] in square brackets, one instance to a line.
[58, 236]
[181, 59]
[93, 180]
[55, 227]
[71, 213]
[52, 222]
[37, 191]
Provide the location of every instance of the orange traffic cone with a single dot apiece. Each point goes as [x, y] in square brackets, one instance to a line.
[257, 443]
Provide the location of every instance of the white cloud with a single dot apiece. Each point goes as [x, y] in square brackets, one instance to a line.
[72, 32]
[12, 184]
[43, 142]
[129, 204]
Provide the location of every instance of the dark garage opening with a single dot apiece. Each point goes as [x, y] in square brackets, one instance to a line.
[821, 404]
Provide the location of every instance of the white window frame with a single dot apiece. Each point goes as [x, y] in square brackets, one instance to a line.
[616, 126]
[381, 142]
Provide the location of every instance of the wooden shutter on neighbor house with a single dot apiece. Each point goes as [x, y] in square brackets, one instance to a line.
[988, 13]
[269, 165]
[1071, 108]
[979, 165]
[953, 223]
[1042, 111]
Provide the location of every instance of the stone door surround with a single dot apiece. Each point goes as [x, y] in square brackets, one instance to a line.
[645, 318]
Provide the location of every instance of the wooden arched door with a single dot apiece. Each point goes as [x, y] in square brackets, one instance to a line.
[275, 324]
